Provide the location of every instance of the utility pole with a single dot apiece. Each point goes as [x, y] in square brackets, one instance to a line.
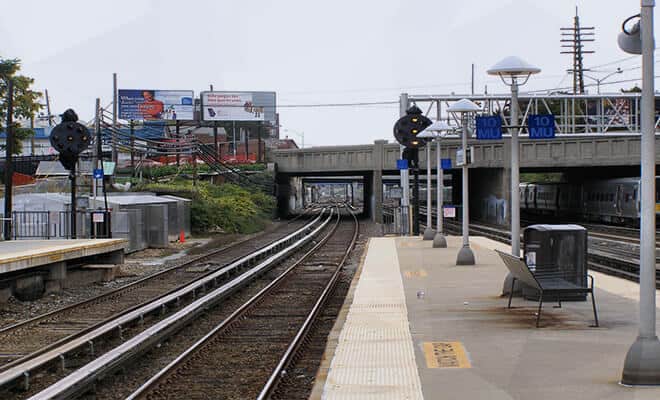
[574, 37]
[9, 149]
[115, 106]
[177, 142]
[50, 119]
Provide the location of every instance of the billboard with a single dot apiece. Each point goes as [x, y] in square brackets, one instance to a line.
[238, 106]
[149, 104]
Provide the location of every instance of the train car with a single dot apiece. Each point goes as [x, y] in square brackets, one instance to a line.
[527, 196]
[569, 198]
[546, 198]
[612, 200]
[550, 198]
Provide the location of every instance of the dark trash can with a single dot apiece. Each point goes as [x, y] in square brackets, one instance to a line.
[560, 250]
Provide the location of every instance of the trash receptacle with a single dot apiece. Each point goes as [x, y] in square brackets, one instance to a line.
[557, 249]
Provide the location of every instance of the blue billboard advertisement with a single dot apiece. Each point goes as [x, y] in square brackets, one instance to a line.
[149, 104]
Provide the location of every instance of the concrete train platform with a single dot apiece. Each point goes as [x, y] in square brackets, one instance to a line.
[416, 326]
[28, 267]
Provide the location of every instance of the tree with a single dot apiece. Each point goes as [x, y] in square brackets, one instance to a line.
[26, 103]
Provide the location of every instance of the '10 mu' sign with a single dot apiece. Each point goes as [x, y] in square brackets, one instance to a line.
[541, 126]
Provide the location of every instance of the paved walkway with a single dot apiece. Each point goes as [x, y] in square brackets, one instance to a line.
[464, 343]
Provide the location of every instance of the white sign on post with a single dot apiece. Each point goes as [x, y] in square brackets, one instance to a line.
[449, 212]
[98, 217]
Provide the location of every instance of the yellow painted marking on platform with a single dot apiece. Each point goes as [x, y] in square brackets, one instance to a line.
[415, 274]
[446, 355]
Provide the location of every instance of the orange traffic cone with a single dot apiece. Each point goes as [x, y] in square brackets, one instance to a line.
[182, 237]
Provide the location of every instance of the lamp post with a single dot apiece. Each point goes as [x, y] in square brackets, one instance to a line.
[514, 72]
[642, 363]
[428, 136]
[598, 81]
[436, 131]
[465, 107]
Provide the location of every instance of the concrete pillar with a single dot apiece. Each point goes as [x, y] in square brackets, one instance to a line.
[5, 294]
[377, 181]
[488, 190]
[115, 257]
[56, 277]
[282, 192]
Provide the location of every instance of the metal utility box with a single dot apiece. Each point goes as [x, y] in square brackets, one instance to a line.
[558, 250]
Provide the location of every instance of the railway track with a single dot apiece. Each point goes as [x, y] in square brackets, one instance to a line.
[23, 338]
[248, 353]
[58, 359]
[603, 257]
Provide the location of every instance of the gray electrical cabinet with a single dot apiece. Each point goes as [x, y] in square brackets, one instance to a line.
[557, 250]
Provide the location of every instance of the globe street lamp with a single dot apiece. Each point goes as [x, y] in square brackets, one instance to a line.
[514, 72]
[642, 364]
[465, 107]
[436, 131]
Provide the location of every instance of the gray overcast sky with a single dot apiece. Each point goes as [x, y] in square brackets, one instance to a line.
[307, 51]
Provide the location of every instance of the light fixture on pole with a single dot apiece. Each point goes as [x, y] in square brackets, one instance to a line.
[436, 131]
[465, 107]
[642, 363]
[428, 136]
[514, 72]
[601, 80]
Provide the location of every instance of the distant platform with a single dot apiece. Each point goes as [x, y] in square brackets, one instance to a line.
[19, 255]
[417, 326]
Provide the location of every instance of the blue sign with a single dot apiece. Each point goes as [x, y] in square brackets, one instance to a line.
[489, 128]
[401, 164]
[98, 173]
[150, 105]
[541, 126]
[445, 163]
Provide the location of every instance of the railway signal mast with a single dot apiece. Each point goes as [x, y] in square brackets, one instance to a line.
[572, 39]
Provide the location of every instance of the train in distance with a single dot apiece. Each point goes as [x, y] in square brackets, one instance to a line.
[609, 200]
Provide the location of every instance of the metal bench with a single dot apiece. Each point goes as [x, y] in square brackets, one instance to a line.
[549, 285]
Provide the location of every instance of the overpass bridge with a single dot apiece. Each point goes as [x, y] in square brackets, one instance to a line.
[597, 136]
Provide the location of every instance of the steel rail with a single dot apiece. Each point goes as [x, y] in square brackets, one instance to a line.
[236, 315]
[89, 373]
[256, 253]
[294, 346]
[21, 368]
[138, 282]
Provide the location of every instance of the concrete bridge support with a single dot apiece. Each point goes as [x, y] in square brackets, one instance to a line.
[489, 195]
[377, 182]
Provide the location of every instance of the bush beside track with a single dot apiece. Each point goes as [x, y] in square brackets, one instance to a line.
[220, 208]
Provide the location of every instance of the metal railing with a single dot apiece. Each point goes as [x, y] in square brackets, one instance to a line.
[574, 114]
[90, 224]
[392, 218]
[31, 225]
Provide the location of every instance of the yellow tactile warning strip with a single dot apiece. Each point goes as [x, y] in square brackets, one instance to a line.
[375, 357]
[420, 273]
[445, 355]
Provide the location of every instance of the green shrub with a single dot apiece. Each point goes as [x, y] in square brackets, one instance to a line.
[228, 207]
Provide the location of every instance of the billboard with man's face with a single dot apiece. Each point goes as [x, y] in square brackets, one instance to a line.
[150, 105]
[238, 106]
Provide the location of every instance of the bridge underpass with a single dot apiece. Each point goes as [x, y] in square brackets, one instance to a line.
[296, 191]
[580, 156]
